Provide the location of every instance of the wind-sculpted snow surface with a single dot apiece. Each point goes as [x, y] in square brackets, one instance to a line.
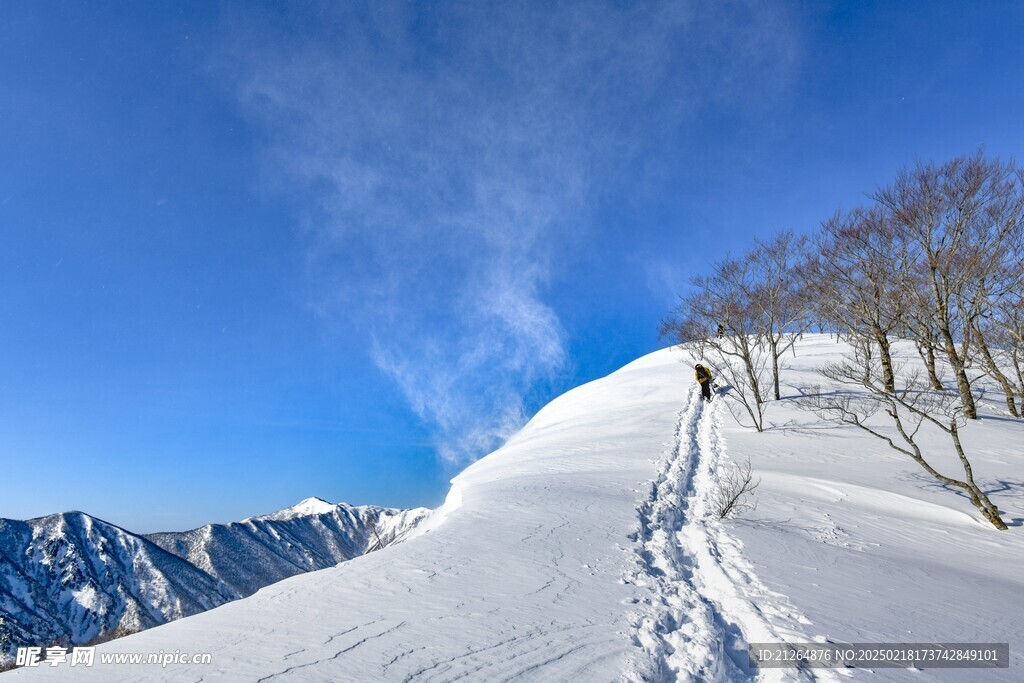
[586, 549]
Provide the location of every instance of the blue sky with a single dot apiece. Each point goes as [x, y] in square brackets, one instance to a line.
[253, 252]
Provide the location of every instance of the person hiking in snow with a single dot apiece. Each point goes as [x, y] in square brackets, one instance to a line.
[704, 378]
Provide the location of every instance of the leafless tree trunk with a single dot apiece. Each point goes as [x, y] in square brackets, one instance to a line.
[927, 352]
[773, 344]
[995, 372]
[1016, 358]
[1008, 323]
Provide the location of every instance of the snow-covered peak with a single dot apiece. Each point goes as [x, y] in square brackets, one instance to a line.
[312, 506]
[307, 508]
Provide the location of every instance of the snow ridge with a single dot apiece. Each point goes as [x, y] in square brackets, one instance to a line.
[705, 602]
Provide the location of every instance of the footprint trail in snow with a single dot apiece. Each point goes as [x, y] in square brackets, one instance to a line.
[705, 602]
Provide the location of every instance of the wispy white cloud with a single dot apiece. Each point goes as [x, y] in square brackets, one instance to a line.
[450, 153]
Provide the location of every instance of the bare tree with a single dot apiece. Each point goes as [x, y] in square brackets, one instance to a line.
[780, 307]
[1006, 331]
[742, 365]
[1000, 304]
[913, 406]
[859, 278]
[734, 494]
[992, 360]
[961, 217]
[921, 328]
[718, 323]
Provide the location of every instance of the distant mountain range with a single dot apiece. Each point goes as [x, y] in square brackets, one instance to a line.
[72, 578]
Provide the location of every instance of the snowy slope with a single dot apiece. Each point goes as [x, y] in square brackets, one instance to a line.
[584, 550]
[869, 547]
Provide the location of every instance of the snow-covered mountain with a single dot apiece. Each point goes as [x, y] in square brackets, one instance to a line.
[70, 578]
[314, 534]
[587, 549]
